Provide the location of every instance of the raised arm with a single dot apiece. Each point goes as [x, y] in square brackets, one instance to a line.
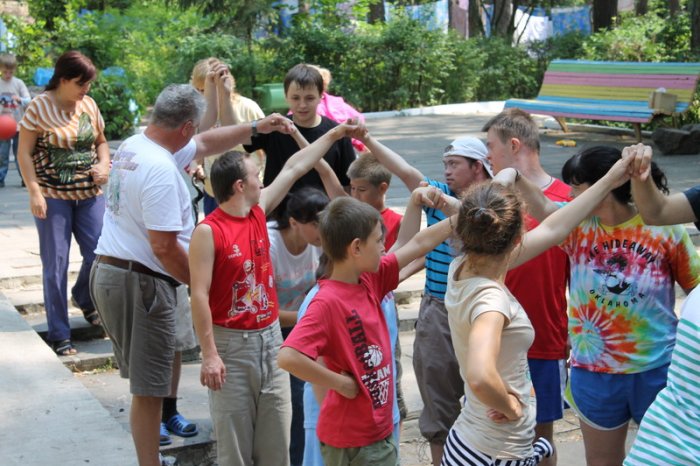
[396, 164]
[213, 371]
[410, 224]
[219, 140]
[538, 205]
[210, 97]
[654, 207]
[298, 164]
[425, 241]
[330, 180]
[555, 228]
[225, 87]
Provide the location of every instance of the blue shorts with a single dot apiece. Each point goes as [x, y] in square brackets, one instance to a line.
[549, 381]
[609, 401]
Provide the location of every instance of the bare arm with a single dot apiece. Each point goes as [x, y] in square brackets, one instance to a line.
[287, 318]
[303, 367]
[396, 164]
[482, 373]
[298, 164]
[425, 241]
[100, 171]
[25, 148]
[538, 205]
[219, 140]
[411, 269]
[213, 370]
[211, 111]
[330, 180]
[410, 224]
[555, 228]
[654, 207]
[225, 91]
[170, 253]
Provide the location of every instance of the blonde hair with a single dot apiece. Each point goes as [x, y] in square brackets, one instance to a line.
[200, 70]
[325, 75]
[367, 167]
[9, 61]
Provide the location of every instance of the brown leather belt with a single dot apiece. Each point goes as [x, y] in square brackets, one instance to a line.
[135, 267]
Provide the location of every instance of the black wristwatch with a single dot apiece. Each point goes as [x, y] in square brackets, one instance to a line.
[254, 129]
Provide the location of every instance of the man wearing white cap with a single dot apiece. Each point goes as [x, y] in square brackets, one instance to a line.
[434, 361]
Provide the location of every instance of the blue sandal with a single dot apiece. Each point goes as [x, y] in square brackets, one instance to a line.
[181, 427]
[164, 435]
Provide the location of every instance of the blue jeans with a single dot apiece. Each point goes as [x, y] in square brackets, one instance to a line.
[64, 219]
[5, 155]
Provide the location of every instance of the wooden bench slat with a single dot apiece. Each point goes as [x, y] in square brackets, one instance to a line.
[602, 103]
[607, 108]
[651, 82]
[587, 66]
[621, 93]
[576, 111]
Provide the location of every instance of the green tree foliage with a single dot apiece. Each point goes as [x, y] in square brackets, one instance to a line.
[113, 95]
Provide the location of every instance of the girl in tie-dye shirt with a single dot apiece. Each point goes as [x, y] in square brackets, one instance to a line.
[622, 323]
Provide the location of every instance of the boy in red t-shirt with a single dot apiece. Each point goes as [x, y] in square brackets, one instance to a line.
[369, 181]
[235, 309]
[345, 325]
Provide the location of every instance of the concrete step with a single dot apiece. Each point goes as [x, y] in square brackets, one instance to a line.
[50, 417]
[80, 328]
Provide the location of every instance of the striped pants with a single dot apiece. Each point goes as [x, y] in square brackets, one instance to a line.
[458, 453]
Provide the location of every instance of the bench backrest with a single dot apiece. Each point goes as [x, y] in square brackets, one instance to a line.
[619, 81]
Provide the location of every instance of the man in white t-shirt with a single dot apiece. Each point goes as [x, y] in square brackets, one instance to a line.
[142, 253]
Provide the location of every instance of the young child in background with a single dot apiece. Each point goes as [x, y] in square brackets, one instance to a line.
[335, 107]
[14, 98]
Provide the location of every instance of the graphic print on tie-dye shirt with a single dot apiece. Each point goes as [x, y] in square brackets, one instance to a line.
[621, 317]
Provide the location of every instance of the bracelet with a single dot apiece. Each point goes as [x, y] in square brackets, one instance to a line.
[254, 128]
[449, 220]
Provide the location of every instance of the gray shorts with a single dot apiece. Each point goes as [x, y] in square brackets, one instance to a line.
[184, 331]
[137, 312]
[437, 371]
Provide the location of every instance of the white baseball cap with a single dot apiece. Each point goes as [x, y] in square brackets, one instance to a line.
[471, 148]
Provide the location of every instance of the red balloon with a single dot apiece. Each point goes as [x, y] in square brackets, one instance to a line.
[8, 127]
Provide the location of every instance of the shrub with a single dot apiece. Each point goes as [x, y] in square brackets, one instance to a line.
[508, 71]
[115, 101]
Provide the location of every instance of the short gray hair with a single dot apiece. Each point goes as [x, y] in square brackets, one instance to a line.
[177, 104]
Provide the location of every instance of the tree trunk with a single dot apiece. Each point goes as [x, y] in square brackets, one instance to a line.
[641, 7]
[673, 7]
[376, 12]
[502, 18]
[694, 10]
[603, 13]
[476, 27]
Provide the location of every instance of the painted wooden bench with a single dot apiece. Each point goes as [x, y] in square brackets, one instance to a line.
[609, 90]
